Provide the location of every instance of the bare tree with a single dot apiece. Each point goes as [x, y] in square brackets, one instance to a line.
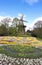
[37, 31]
[38, 24]
[6, 22]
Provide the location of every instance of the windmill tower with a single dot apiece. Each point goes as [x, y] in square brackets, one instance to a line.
[21, 22]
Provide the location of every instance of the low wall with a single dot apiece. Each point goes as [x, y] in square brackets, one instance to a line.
[7, 60]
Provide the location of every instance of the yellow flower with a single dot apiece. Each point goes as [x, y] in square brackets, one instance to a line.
[29, 38]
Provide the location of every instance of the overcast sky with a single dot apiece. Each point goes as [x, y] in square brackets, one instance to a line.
[32, 9]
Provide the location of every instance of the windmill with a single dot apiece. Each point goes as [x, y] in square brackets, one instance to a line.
[21, 22]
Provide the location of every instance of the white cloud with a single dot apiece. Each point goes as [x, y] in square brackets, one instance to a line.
[2, 17]
[37, 19]
[30, 26]
[31, 1]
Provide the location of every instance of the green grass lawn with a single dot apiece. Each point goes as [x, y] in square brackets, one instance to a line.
[21, 51]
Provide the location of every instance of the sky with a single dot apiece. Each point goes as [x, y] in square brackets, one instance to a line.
[32, 10]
